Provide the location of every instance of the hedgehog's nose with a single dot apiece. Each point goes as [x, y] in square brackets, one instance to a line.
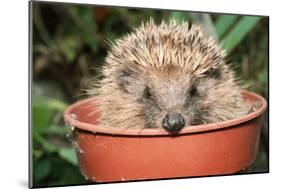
[173, 122]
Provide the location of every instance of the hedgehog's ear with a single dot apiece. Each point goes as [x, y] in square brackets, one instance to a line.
[124, 80]
[213, 73]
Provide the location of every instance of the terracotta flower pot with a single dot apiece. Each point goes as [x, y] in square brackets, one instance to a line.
[110, 154]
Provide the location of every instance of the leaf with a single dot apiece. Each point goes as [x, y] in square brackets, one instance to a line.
[48, 102]
[54, 129]
[41, 170]
[205, 21]
[224, 23]
[36, 153]
[43, 110]
[69, 155]
[37, 137]
[70, 46]
[262, 77]
[86, 26]
[71, 175]
[41, 117]
[241, 29]
[179, 15]
[86, 15]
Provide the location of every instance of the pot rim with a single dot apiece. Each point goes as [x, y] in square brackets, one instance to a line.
[160, 131]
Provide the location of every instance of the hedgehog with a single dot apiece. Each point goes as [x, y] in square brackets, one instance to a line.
[169, 75]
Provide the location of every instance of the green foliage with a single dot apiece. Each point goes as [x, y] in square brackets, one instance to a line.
[241, 29]
[68, 155]
[45, 153]
[86, 27]
[42, 170]
[224, 23]
[179, 15]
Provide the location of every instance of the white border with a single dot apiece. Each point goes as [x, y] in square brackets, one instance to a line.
[14, 90]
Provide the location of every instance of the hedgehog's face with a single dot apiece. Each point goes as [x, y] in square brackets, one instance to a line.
[170, 98]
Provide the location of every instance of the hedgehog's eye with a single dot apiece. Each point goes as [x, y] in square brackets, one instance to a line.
[146, 93]
[213, 73]
[193, 91]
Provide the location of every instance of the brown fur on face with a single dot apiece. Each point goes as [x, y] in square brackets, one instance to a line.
[165, 68]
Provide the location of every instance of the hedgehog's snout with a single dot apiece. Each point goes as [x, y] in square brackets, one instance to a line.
[173, 122]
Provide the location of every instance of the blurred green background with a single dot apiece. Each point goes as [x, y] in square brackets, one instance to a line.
[69, 45]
